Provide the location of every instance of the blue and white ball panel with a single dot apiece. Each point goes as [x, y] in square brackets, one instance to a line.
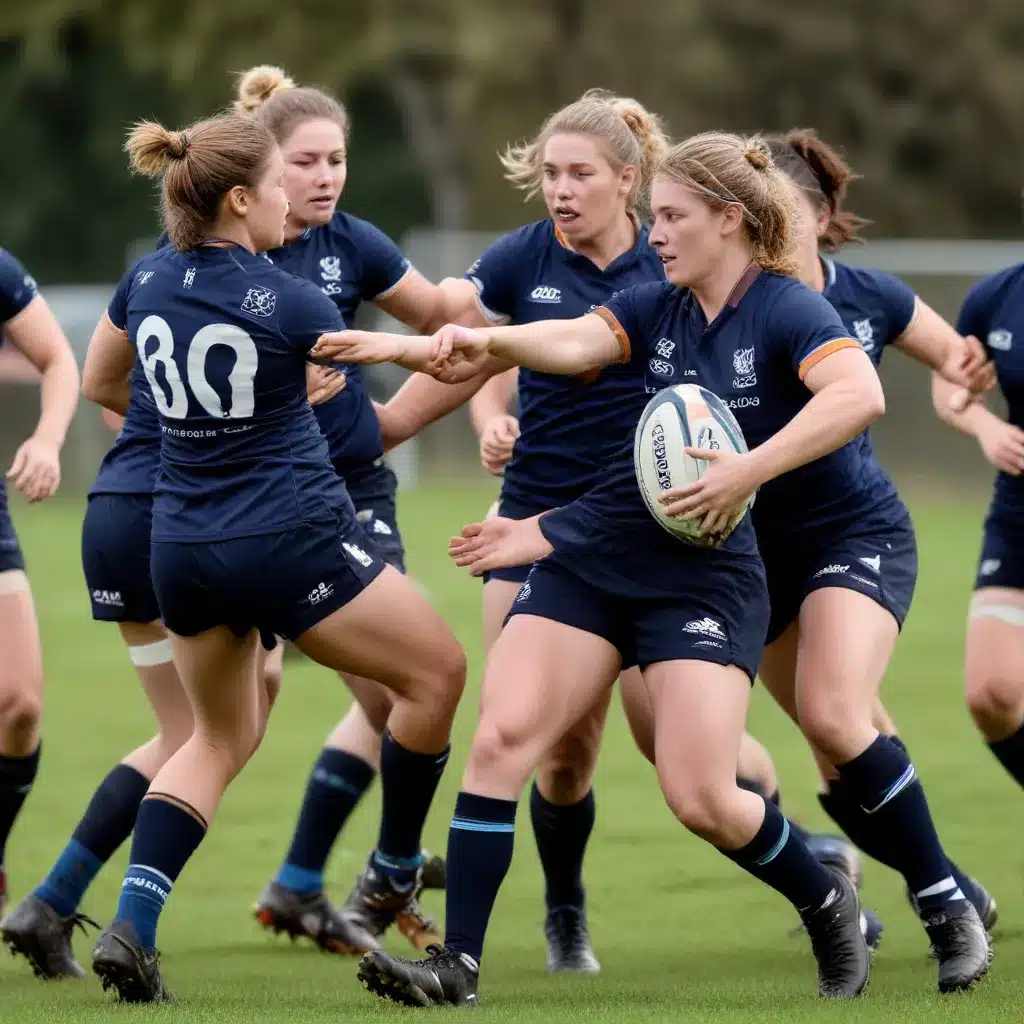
[681, 417]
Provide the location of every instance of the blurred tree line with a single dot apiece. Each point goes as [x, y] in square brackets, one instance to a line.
[923, 96]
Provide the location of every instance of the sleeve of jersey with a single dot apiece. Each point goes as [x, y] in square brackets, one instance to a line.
[117, 310]
[383, 264]
[809, 327]
[497, 275]
[17, 288]
[624, 315]
[900, 302]
[973, 315]
[308, 314]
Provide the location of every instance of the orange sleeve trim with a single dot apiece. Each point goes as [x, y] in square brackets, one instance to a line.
[616, 328]
[823, 351]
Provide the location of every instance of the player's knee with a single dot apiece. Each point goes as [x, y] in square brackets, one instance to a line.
[832, 725]
[21, 706]
[502, 753]
[995, 703]
[446, 676]
[701, 806]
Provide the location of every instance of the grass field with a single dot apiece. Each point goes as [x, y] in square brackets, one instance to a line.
[681, 932]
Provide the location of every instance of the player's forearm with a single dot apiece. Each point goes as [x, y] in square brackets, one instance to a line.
[493, 399]
[420, 401]
[967, 420]
[834, 416]
[550, 346]
[58, 397]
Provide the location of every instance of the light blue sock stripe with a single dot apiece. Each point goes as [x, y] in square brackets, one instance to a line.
[777, 848]
[473, 825]
[301, 880]
[895, 789]
[389, 863]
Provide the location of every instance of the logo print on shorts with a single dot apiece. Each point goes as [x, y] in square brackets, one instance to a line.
[524, 592]
[705, 627]
[322, 591]
[1000, 340]
[358, 554]
[111, 598]
[743, 364]
[989, 566]
[832, 569]
[872, 563]
[259, 302]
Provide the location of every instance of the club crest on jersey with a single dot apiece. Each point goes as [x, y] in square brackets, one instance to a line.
[330, 268]
[864, 333]
[259, 302]
[743, 364]
[1000, 340]
[664, 348]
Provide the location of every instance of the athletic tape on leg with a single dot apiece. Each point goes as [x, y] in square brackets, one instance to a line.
[148, 655]
[1011, 614]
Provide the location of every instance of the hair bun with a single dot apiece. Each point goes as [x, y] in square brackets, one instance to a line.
[177, 145]
[758, 155]
[258, 84]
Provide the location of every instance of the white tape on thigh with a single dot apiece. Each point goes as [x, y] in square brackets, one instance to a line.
[1011, 614]
[148, 655]
[14, 581]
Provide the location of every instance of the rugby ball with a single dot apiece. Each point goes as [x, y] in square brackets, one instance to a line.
[684, 416]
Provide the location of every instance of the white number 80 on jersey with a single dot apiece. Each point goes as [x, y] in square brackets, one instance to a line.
[243, 398]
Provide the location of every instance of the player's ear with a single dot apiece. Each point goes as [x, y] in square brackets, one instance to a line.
[237, 200]
[732, 218]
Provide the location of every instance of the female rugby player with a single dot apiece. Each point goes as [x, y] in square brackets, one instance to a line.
[823, 499]
[253, 533]
[28, 324]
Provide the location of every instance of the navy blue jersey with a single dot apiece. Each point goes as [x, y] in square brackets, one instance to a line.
[131, 464]
[875, 307]
[569, 428]
[351, 261]
[222, 337]
[994, 313]
[17, 288]
[754, 356]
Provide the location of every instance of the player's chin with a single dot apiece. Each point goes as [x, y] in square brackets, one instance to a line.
[319, 213]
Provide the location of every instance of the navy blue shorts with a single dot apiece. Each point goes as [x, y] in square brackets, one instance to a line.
[10, 550]
[509, 508]
[373, 494]
[724, 624]
[115, 557]
[1002, 551]
[278, 583]
[877, 560]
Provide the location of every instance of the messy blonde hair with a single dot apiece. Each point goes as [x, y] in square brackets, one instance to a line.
[631, 136]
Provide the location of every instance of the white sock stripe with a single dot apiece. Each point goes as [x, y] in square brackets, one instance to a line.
[939, 887]
[150, 655]
[153, 871]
